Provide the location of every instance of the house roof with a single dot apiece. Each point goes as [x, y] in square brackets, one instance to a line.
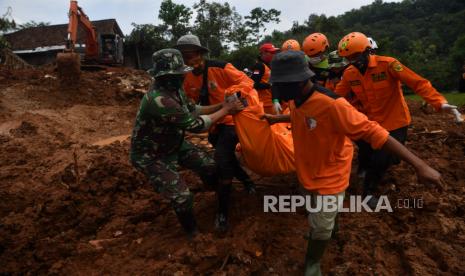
[54, 35]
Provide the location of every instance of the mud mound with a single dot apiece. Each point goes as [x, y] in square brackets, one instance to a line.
[72, 203]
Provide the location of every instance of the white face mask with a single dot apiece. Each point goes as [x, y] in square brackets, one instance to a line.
[316, 60]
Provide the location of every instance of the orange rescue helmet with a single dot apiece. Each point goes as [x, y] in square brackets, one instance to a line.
[353, 43]
[315, 43]
[290, 44]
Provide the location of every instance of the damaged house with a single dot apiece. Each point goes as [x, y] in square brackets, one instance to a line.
[40, 45]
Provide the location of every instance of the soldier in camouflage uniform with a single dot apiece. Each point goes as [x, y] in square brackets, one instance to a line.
[158, 145]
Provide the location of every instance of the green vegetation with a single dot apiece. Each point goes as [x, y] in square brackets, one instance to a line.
[453, 98]
[6, 24]
[425, 35]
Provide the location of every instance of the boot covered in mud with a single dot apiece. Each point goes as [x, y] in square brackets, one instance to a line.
[249, 186]
[223, 193]
[184, 212]
[187, 220]
[315, 251]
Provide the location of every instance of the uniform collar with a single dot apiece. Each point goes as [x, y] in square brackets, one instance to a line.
[300, 100]
[372, 61]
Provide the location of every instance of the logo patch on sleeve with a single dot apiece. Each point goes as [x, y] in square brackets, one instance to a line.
[311, 123]
[397, 66]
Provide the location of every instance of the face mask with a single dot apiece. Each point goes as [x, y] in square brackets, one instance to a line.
[196, 62]
[333, 74]
[288, 90]
[361, 62]
[316, 60]
[266, 58]
[197, 71]
[172, 83]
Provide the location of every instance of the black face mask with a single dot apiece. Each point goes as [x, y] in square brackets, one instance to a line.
[361, 62]
[335, 75]
[172, 82]
[288, 90]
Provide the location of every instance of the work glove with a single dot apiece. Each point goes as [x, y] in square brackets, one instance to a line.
[277, 107]
[453, 109]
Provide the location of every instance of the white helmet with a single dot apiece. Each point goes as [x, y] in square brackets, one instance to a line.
[373, 44]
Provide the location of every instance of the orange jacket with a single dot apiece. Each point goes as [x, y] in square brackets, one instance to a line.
[350, 97]
[322, 128]
[379, 90]
[221, 75]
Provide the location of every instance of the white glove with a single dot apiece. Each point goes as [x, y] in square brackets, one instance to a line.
[277, 107]
[448, 107]
[453, 109]
[458, 116]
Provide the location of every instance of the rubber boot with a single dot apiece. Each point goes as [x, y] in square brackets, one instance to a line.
[370, 186]
[187, 220]
[242, 176]
[210, 180]
[224, 194]
[315, 250]
[335, 228]
[249, 187]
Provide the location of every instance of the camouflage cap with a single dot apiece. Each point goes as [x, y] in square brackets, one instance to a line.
[336, 61]
[168, 62]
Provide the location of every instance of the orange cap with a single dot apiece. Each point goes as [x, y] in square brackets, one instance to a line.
[315, 43]
[353, 43]
[290, 44]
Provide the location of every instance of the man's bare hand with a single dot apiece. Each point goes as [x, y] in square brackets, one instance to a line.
[428, 175]
[271, 119]
[233, 107]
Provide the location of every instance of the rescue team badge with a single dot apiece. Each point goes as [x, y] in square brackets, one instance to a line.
[397, 67]
[344, 45]
[378, 77]
[212, 85]
[311, 122]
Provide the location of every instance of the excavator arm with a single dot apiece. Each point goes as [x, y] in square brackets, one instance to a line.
[69, 62]
[77, 18]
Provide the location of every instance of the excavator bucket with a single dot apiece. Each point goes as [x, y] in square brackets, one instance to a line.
[69, 68]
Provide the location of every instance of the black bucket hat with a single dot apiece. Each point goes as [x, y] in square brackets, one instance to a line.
[290, 66]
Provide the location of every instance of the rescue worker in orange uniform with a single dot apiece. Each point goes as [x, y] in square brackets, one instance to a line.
[336, 66]
[291, 44]
[288, 45]
[376, 82]
[261, 74]
[316, 47]
[206, 85]
[323, 125]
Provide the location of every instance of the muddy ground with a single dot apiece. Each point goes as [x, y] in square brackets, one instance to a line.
[72, 204]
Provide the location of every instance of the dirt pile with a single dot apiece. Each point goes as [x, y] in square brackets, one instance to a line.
[72, 203]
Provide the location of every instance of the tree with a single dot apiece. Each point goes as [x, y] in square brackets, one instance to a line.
[176, 18]
[32, 24]
[6, 25]
[144, 40]
[240, 33]
[213, 25]
[258, 18]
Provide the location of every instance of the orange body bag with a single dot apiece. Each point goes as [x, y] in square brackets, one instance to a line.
[267, 150]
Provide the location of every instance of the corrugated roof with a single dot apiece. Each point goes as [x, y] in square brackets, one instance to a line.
[54, 35]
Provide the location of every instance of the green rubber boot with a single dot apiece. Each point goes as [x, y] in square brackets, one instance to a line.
[315, 250]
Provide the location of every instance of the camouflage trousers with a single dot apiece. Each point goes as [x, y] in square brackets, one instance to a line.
[164, 177]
